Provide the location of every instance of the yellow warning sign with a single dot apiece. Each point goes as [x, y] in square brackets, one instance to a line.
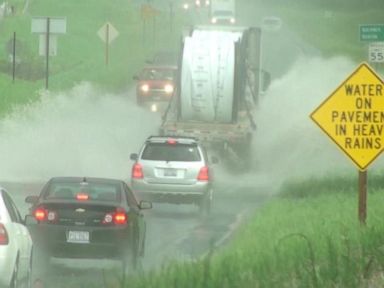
[147, 11]
[353, 116]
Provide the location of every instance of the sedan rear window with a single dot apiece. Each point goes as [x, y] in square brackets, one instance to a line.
[171, 152]
[95, 191]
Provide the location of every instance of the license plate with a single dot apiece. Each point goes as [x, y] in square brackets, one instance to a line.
[78, 237]
[170, 173]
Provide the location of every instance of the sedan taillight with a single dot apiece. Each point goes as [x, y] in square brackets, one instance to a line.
[118, 217]
[137, 171]
[3, 235]
[41, 214]
[203, 174]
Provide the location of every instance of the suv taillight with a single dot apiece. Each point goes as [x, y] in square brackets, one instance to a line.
[41, 214]
[137, 171]
[203, 174]
[3, 235]
[118, 217]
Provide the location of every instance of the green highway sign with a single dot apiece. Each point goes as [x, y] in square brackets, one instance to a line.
[372, 32]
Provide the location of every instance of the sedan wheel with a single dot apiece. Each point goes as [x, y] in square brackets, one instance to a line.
[130, 261]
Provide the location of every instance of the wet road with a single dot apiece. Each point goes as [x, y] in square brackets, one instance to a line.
[174, 232]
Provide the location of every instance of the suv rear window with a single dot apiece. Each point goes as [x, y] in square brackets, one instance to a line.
[171, 152]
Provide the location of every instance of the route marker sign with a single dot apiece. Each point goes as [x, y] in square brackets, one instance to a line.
[376, 52]
[372, 32]
[353, 116]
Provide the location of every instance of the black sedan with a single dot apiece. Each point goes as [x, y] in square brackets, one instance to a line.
[79, 217]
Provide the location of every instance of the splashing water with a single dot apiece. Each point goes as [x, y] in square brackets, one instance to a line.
[81, 132]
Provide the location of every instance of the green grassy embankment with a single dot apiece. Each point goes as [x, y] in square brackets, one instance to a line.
[308, 236]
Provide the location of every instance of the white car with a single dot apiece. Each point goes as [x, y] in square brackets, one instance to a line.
[15, 245]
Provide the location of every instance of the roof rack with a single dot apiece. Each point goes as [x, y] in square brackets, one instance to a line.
[173, 136]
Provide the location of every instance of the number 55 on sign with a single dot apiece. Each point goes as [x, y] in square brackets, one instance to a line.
[376, 52]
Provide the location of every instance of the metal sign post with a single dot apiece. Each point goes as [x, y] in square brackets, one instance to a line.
[47, 53]
[147, 12]
[363, 175]
[107, 34]
[171, 16]
[13, 56]
[106, 44]
[352, 117]
[46, 26]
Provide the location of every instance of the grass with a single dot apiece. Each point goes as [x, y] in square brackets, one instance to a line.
[296, 240]
[81, 54]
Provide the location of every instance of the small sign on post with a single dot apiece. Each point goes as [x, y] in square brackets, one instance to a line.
[353, 116]
[48, 28]
[107, 34]
[376, 52]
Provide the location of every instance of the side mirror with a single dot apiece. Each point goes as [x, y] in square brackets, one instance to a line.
[214, 160]
[134, 156]
[32, 199]
[145, 205]
[30, 220]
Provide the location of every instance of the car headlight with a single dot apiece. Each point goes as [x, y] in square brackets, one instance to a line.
[186, 6]
[233, 20]
[207, 3]
[168, 88]
[197, 2]
[213, 20]
[144, 87]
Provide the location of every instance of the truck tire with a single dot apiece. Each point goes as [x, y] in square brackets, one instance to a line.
[244, 151]
[205, 205]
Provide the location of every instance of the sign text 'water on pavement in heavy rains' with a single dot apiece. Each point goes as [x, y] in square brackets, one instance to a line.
[353, 116]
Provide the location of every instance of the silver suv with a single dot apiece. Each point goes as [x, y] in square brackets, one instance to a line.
[173, 170]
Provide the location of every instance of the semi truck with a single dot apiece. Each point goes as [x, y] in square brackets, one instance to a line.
[219, 82]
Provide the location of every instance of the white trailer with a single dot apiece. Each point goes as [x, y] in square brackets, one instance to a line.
[219, 83]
